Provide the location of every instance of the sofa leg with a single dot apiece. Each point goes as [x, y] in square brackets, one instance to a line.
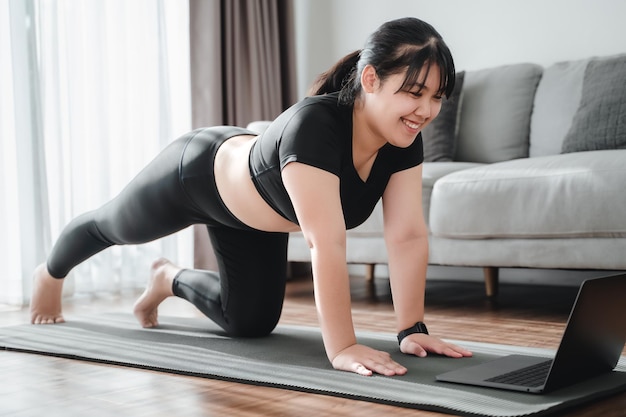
[369, 272]
[491, 280]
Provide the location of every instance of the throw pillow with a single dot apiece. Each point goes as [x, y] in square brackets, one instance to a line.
[439, 136]
[494, 123]
[600, 121]
[556, 102]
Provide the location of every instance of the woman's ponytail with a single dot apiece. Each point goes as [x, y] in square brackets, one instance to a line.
[337, 76]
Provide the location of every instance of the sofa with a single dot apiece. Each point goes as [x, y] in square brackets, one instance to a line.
[525, 167]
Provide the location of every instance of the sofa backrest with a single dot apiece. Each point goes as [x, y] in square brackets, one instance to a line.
[495, 110]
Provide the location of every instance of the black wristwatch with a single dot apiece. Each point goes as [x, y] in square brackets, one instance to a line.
[418, 327]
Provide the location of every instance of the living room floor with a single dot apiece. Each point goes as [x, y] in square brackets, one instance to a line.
[526, 315]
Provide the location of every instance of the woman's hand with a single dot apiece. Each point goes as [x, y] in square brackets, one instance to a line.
[419, 344]
[365, 361]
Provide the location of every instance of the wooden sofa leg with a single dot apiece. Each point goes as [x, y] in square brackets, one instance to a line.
[369, 272]
[491, 280]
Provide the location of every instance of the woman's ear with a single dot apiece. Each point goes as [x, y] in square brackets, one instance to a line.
[369, 79]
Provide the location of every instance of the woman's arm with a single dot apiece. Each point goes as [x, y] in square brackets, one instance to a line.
[406, 237]
[315, 196]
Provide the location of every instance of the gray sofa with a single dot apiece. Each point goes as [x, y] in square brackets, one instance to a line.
[525, 167]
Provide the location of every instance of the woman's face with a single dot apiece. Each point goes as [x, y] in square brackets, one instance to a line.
[398, 116]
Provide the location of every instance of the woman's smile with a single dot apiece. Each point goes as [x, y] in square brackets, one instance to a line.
[413, 126]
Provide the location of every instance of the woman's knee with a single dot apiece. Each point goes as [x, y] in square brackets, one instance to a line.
[253, 325]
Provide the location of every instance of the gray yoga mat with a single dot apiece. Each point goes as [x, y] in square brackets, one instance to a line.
[293, 358]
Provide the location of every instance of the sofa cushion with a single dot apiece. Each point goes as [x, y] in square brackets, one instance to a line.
[433, 172]
[563, 253]
[600, 122]
[439, 136]
[571, 195]
[556, 101]
[494, 122]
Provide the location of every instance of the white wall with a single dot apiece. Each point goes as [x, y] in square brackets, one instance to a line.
[480, 33]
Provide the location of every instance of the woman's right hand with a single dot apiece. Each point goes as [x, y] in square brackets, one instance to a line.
[365, 361]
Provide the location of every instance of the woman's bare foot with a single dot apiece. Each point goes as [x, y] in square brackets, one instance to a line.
[45, 302]
[159, 288]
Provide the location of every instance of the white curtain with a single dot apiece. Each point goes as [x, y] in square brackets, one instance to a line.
[90, 91]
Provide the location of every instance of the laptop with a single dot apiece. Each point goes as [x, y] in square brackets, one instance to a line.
[591, 345]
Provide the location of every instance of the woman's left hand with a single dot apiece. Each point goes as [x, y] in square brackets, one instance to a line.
[419, 344]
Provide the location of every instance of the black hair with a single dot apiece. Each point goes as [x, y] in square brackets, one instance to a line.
[403, 44]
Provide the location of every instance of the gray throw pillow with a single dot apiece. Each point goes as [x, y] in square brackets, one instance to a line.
[600, 121]
[439, 136]
[556, 102]
[494, 123]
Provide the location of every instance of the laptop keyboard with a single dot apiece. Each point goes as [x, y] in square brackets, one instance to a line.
[531, 376]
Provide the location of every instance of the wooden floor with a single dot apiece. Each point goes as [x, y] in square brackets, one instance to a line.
[34, 385]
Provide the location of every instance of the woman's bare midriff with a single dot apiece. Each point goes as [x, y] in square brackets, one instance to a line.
[232, 176]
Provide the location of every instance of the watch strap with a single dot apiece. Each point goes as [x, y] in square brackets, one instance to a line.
[418, 327]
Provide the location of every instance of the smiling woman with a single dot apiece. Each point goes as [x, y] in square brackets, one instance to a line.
[320, 167]
[88, 88]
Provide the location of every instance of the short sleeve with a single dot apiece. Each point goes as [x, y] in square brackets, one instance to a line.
[315, 138]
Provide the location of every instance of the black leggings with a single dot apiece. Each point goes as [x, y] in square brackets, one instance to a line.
[177, 189]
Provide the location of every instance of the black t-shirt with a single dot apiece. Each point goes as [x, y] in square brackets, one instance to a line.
[317, 131]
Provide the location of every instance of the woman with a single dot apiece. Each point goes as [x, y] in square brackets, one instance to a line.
[320, 168]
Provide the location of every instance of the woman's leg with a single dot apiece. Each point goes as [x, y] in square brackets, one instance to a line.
[246, 297]
[175, 190]
[153, 205]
